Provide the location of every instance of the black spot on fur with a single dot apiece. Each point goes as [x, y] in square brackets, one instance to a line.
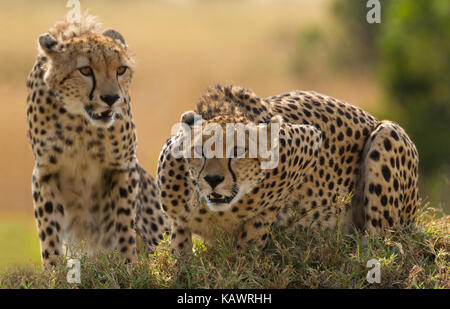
[375, 155]
[387, 144]
[48, 207]
[386, 172]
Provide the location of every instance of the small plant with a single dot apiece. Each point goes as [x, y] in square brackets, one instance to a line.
[340, 203]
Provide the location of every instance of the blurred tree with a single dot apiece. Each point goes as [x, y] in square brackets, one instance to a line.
[357, 37]
[414, 51]
[346, 43]
[310, 47]
[410, 49]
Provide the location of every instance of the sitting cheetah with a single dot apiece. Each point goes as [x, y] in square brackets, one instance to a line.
[328, 149]
[87, 183]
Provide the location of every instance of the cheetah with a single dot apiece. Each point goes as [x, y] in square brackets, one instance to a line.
[87, 184]
[329, 150]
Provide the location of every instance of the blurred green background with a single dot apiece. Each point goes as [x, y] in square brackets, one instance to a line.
[397, 70]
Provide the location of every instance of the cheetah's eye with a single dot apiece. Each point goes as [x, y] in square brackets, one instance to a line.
[86, 71]
[121, 70]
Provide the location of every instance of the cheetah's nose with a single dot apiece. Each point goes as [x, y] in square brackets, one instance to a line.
[109, 99]
[213, 180]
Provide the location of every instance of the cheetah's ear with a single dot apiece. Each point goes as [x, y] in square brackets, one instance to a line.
[190, 117]
[276, 119]
[48, 43]
[114, 35]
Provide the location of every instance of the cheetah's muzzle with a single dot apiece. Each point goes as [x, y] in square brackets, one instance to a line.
[103, 116]
[216, 198]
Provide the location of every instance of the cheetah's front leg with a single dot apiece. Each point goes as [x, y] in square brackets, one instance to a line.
[175, 199]
[180, 240]
[256, 230]
[49, 213]
[125, 197]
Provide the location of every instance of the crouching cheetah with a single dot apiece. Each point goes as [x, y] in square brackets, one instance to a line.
[87, 184]
[328, 150]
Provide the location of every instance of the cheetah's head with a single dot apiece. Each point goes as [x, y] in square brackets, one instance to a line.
[90, 74]
[224, 171]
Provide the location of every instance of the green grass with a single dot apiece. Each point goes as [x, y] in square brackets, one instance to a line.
[416, 257]
[18, 242]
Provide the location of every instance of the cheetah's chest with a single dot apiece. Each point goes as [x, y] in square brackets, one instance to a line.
[58, 137]
[82, 158]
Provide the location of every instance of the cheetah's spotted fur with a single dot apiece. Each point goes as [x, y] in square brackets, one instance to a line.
[375, 160]
[87, 184]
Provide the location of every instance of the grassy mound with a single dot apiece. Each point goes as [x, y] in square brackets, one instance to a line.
[416, 257]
